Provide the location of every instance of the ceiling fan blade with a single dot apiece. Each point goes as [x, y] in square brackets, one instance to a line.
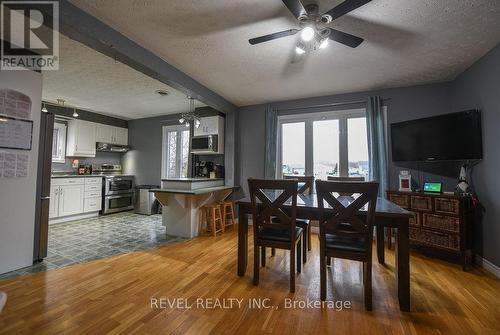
[296, 7]
[346, 7]
[274, 36]
[345, 38]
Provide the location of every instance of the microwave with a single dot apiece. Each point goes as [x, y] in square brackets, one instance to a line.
[206, 144]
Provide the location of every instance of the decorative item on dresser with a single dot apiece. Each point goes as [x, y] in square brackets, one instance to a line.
[441, 223]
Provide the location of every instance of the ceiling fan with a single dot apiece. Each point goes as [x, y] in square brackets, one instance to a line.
[315, 31]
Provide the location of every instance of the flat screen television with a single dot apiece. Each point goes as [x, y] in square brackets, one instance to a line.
[448, 137]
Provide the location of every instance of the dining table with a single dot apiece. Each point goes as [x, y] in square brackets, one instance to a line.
[387, 214]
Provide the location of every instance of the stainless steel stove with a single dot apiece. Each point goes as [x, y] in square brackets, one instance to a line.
[118, 189]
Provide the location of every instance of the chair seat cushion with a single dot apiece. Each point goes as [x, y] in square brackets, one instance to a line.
[345, 243]
[278, 235]
[298, 222]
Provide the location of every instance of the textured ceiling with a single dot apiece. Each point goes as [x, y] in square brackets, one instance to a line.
[408, 42]
[90, 80]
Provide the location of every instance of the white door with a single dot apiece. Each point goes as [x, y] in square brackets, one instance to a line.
[54, 202]
[175, 152]
[71, 199]
[121, 136]
[85, 138]
[104, 133]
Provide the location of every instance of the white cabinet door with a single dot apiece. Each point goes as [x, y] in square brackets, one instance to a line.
[208, 126]
[121, 136]
[104, 133]
[71, 199]
[81, 138]
[54, 202]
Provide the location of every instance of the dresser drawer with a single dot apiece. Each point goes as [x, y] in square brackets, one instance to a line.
[93, 194]
[96, 180]
[415, 220]
[92, 204]
[67, 181]
[414, 234]
[447, 206]
[448, 223]
[421, 203]
[93, 187]
[400, 200]
[442, 240]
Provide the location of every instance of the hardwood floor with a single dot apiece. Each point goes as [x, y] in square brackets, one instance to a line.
[113, 295]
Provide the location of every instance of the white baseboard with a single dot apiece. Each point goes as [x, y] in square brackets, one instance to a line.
[488, 266]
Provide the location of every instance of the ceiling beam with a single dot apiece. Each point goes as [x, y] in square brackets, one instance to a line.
[80, 26]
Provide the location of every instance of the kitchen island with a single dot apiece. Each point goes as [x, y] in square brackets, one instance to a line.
[181, 211]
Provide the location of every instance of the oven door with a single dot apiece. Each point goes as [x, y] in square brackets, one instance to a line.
[118, 203]
[119, 185]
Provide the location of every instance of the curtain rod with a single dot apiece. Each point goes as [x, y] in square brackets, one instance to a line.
[329, 105]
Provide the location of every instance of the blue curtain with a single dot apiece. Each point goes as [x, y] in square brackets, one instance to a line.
[271, 143]
[377, 155]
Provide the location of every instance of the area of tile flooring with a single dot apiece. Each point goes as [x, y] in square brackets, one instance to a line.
[89, 239]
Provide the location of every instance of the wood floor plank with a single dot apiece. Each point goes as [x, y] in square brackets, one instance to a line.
[113, 296]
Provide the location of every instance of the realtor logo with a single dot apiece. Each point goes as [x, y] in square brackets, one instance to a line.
[29, 35]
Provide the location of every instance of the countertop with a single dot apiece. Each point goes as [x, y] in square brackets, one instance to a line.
[72, 175]
[193, 192]
[191, 180]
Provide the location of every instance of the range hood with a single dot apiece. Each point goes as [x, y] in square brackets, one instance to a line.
[109, 147]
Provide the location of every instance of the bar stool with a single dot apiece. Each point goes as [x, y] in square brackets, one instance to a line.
[227, 210]
[211, 218]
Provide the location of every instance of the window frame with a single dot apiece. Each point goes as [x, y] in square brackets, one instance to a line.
[309, 119]
[165, 150]
[60, 157]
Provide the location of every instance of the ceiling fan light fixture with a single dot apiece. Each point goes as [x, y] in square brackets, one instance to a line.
[299, 50]
[323, 44]
[307, 34]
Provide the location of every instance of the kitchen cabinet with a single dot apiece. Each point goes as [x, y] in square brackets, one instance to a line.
[81, 139]
[111, 134]
[54, 201]
[121, 136]
[210, 125]
[71, 199]
[73, 196]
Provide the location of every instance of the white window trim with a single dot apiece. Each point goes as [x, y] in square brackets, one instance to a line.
[308, 119]
[165, 153]
[60, 157]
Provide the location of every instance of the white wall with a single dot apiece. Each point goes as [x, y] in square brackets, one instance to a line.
[17, 196]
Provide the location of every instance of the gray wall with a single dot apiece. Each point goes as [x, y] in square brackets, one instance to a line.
[144, 160]
[404, 104]
[479, 87]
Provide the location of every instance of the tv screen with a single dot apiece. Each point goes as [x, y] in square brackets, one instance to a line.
[447, 137]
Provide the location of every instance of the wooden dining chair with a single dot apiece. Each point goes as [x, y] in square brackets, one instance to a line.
[267, 198]
[305, 186]
[343, 233]
[334, 178]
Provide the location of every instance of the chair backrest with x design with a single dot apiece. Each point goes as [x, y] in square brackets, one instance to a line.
[343, 218]
[307, 183]
[268, 197]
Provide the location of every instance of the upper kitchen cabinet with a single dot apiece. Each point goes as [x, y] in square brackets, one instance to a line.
[210, 125]
[81, 139]
[112, 135]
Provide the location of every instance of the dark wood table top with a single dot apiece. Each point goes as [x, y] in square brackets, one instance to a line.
[384, 207]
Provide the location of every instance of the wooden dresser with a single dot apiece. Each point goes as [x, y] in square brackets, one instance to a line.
[442, 223]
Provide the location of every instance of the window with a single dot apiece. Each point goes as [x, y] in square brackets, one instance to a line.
[323, 144]
[294, 149]
[175, 152]
[59, 143]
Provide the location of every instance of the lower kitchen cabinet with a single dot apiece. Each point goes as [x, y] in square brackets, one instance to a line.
[54, 202]
[75, 196]
[71, 199]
